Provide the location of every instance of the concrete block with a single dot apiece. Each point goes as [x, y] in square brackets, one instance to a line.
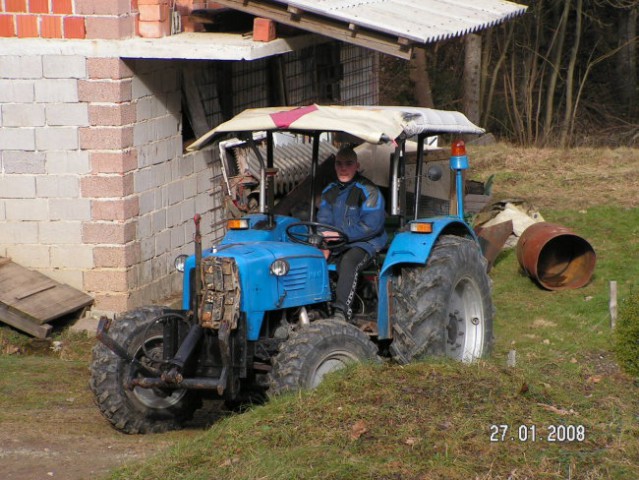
[173, 216]
[64, 66]
[112, 115]
[141, 89]
[22, 209]
[147, 251]
[110, 303]
[177, 238]
[106, 280]
[13, 233]
[17, 186]
[114, 162]
[108, 233]
[203, 203]
[107, 91]
[188, 209]
[72, 256]
[30, 256]
[117, 257]
[23, 114]
[113, 7]
[58, 186]
[106, 138]
[176, 193]
[109, 68]
[204, 184]
[70, 209]
[67, 114]
[57, 138]
[115, 209]
[2, 215]
[60, 233]
[18, 91]
[159, 220]
[107, 186]
[68, 162]
[147, 202]
[74, 278]
[114, 28]
[189, 187]
[21, 67]
[56, 90]
[19, 161]
[17, 138]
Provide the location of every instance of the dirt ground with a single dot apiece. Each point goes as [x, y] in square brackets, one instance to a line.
[77, 443]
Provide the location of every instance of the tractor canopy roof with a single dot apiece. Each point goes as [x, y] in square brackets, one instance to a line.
[373, 124]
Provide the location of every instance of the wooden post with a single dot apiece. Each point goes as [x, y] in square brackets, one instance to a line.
[613, 304]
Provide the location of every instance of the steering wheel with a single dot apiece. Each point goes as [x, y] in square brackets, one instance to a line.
[313, 238]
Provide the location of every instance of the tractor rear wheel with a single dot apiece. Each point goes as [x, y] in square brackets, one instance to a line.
[444, 307]
[314, 351]
[138, 410]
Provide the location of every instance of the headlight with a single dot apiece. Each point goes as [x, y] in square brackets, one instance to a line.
[280, 267]
[179, 262]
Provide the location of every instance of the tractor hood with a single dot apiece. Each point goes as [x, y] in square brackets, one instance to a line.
[373, 124]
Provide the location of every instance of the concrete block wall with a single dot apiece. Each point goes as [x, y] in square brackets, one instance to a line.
[94, 188]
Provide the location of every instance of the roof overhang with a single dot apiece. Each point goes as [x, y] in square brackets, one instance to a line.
[187, 46]
[393, 27]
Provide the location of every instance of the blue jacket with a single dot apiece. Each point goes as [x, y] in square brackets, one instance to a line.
[356, 208]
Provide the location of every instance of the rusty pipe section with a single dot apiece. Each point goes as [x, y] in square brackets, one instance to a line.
[555, 257]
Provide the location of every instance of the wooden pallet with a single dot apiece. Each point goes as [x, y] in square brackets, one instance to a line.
[30, 300]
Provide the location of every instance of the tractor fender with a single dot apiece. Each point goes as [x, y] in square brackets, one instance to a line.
[412, 248]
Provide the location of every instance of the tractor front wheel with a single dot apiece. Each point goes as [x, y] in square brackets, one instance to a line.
[316, 350]
[443, 308]
[138, 410]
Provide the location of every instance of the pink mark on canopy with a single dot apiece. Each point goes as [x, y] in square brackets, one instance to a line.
[284, 119]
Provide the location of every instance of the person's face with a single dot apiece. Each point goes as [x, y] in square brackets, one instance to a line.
[345, 169]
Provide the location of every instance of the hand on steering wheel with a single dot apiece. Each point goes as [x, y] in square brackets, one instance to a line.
[312, 237]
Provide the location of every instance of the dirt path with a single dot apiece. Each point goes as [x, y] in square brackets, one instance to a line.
[77, 443]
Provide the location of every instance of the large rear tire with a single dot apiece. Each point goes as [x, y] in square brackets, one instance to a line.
[140, 410]
[314, 351]
[444, 307]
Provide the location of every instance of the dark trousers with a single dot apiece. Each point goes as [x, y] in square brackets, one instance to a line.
[349, 264]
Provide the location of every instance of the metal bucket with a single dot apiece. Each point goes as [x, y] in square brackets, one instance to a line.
[555, 257]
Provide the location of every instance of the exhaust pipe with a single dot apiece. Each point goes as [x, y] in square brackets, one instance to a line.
[555, 257]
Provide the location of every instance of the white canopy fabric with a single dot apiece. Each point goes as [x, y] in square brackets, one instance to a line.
[373, 124]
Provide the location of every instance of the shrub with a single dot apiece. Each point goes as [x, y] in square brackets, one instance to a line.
[627, 335]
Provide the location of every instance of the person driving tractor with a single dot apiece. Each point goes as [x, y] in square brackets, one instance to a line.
[354, 205]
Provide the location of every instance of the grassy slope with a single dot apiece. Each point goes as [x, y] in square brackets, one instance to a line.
[432, 420]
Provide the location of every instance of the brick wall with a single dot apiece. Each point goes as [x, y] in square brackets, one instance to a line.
[94, 189]
[95, 19]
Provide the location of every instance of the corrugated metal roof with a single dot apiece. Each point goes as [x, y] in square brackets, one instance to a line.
[389, 26]
[423, 21]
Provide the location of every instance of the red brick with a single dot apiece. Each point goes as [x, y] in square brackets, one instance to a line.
[112, 162]
[110, 27]
[62, 7]
[51, 26]
[117, 91]
[154, 13]
[27, 25]
[7, 26]
[106, 138]
[263, 30]
[108, 68]
[74, 27]
[39, 6]
[154, 29]
[16, 6]
[108, 233]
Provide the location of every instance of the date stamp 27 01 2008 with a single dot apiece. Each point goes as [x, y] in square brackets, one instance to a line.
[560, 433]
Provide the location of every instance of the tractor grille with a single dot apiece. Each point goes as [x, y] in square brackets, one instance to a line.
[296, 279]
[221, 292]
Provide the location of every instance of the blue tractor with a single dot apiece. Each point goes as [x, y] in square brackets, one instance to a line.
[256, 315]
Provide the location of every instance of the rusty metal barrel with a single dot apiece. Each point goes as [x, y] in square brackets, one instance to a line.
[555, 257]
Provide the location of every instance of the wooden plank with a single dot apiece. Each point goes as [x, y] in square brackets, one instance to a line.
[36, 297]
[23, 323]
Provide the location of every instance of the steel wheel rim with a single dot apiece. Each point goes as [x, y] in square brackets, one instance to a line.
[332, 363]
[466, 322]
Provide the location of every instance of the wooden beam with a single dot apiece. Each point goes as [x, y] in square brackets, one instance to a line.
[23, 323]
[326, 26]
